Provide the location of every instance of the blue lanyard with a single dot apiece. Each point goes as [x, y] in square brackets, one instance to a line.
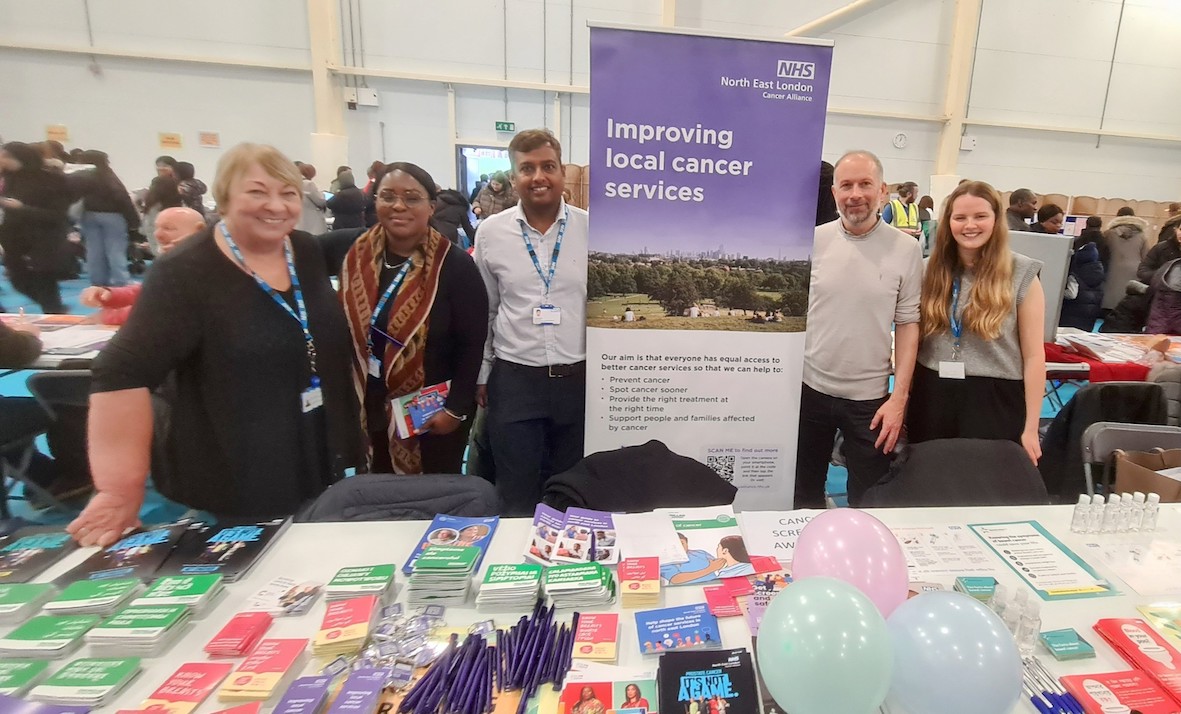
[394, 287]
[957, 324]
[300, 312]
[553, 263]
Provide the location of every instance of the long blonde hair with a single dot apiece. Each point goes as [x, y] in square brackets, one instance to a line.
[992, 297]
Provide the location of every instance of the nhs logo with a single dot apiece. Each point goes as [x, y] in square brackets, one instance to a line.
[796, 70]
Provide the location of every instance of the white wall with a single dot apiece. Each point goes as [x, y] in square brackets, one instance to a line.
[1041, 62]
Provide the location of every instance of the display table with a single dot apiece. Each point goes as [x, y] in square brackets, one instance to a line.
[73, 338]
[317, 551]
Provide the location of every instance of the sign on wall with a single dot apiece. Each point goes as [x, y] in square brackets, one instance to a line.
[705, 158]
[170, 141]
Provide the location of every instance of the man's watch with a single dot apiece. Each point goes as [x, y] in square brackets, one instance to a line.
[455, 416]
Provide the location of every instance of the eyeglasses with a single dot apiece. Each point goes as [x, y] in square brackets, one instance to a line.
[410, 201]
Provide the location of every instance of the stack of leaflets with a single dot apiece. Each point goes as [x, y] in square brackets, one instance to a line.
[198, 592]
[285, 596]
[99, 597]
[227, 549]
[577, 536]
[361, 580]
[187, 687]
[509, 588]
[47, 636]
[239, 635]
[596, 637]
[714, 546]
[579, 585]
[267, 670]
[345, 626]
[443, 574]
[19, 600]
[138, 555]
[455, 531]
[27, 552]
[361, 691]
[685, 627]
[639, 582]
[980, 588]
[1067, 644]
[144, 630]
[18, 675]
[87, 682]
[689, 680]
[306, 695]
[623, 690]
[413, 410]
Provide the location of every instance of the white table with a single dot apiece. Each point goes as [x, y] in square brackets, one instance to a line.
[316, 551]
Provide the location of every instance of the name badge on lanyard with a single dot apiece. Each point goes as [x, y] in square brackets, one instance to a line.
[312, 397]
[546, 313]
[391, 292]
[954, 368]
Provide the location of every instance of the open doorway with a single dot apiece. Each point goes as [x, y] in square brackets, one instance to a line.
[474, 161]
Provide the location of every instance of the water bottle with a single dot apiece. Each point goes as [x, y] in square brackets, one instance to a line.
[1082, 512]
[1030, 628]
[1095, 523]
[1136, 520]
[1125, 513]
[1111, 514]
[1151, 511]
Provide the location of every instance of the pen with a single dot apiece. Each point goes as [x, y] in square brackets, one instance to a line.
[1067, 699]
[1037, 701]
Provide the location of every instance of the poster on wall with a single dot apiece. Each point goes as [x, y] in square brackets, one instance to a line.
[705, 162]
[170, 141]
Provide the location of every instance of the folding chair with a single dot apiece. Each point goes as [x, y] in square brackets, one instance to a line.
[1103, 437]
[55, 390]
[23, 420]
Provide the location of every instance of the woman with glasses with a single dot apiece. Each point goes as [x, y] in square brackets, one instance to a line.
[418, 314]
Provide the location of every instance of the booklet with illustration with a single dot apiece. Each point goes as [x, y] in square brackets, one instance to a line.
[227, 549]
[717, 681]
[587, 536]
[138, 555]
[713, 541]
[456, 531]
[413, 410]
[685, 627]
[28, 551]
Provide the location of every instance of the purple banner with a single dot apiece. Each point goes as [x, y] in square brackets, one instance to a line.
[705, 145]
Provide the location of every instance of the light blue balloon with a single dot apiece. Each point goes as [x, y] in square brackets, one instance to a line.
[823, 648]
[952, 654]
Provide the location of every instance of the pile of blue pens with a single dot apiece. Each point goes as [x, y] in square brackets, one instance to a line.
[527, 655]
[534, 651]
[1046, 694]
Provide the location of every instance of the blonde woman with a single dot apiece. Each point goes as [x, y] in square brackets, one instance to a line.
[981, 365]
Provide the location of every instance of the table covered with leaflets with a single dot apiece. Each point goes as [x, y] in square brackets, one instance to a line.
[335, 617]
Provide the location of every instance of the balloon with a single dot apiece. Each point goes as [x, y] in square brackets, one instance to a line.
[952, 653]
[855, 547]
[823, 648]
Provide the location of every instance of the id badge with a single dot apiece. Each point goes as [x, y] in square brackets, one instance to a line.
[311, 398]
[949, 369]
[547, 315]
[374, 367]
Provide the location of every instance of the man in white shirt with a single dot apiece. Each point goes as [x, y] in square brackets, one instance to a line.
[866, 276]
[533, 383]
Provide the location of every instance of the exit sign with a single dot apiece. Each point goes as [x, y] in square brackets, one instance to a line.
[506, 126]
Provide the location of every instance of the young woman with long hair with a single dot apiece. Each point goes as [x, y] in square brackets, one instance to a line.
[981, 364]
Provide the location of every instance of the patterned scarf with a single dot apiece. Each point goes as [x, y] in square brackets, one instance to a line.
[402, 366]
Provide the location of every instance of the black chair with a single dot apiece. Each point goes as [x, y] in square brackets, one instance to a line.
[960, 472]
[1061, 465]
[396, 497]
[22, 420]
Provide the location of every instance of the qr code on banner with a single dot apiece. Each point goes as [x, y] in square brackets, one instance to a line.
[722, 465]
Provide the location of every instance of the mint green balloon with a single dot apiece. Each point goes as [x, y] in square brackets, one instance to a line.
[823, 648]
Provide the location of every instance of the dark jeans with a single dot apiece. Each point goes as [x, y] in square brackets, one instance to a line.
[820, 417]
[535, 426]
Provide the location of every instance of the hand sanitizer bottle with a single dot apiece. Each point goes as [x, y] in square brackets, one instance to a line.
[1136, 520]
[1082, 511]
[1125, 513]
[1151, 511]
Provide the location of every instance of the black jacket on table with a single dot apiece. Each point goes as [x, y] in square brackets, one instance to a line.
[240, 444]
[1158, 255]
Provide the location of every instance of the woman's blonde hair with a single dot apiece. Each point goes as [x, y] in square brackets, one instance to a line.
[237, 161]
[991, 298]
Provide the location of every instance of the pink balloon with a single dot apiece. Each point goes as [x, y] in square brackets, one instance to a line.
[855, 547]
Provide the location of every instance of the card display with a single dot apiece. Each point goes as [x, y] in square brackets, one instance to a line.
[198, 592]
[47, 636]
[713, 543]
[262, 673]
[544, 533]
[1135, 690]
[509, 588]
[458, 532]
[1143, 648]
[18, 675]
[639, 582]
[239, 634]
[144, 630]
[597, 637]
[579, 585]
[19, 600]
[686, 627]
[29, 551]
[443, 574]
[345, 626]
[93, 596]
[361, 580]
[90, 682]
[587, 536]
[285, 597]
[188, 686]
[306, 695]
[226, 549]
[138, 555]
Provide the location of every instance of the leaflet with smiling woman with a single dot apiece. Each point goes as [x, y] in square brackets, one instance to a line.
[981, 365]
[417, 311]
[243, 319]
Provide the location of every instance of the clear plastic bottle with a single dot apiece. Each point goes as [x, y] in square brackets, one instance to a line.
[1030, 628]
[1125, 513]
[1151, 512]
[1111, 514]
[1095, 523]
[999, 599]
[1136, 519]
[1082, 512]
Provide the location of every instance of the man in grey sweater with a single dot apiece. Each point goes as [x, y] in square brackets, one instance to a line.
[866, 277]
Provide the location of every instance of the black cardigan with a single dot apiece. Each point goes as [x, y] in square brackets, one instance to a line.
[239, 443]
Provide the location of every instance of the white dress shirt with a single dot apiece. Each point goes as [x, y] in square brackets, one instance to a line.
[515, 288]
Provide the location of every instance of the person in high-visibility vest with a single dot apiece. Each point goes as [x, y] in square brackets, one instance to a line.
[902, 213]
